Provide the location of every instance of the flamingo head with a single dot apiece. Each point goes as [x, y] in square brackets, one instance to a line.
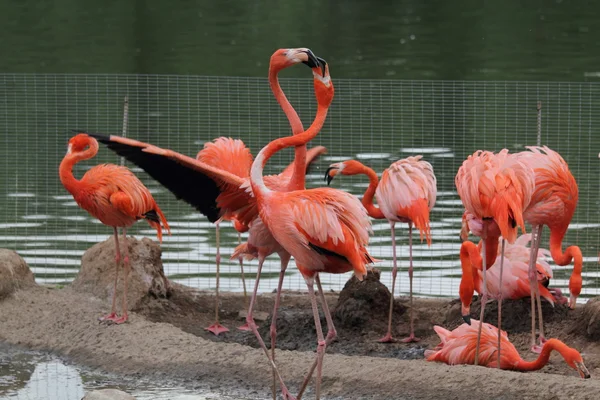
[575, 361]
[323, 85]
[80, 143]
[284, 58]
[350, 167]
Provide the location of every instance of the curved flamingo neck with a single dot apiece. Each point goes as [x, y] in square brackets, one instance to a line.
[560, 258]
[551, 344]
[469, 258]
[256, 173]
[367, 200]
[297, 181]
[65, 170]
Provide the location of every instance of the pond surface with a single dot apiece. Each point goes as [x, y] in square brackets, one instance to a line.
[29, 375]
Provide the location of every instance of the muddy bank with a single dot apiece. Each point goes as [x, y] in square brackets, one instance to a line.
[65, 322]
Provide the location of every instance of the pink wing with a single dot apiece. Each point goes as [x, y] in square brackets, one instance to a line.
[227, 154]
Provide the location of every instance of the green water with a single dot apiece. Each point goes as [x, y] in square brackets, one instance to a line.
[438, 79]
[515, 40]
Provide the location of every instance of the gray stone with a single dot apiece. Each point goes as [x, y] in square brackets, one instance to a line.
[107, 394]
[146, 277]
[14, 273]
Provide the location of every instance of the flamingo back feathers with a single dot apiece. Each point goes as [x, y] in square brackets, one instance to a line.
[496, 186]
[407, 191]
[115, 196]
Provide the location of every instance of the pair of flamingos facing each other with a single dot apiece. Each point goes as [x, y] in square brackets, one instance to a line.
[315, 255]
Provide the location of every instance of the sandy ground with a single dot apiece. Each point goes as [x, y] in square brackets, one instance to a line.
[165, 340]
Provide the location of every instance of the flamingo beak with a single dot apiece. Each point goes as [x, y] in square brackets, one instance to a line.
[313, 61]
[323, 65]
[583, 371]
[330, 174]
[69, 148]
[466, 314]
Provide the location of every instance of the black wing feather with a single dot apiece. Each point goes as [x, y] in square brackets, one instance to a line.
[189, 185]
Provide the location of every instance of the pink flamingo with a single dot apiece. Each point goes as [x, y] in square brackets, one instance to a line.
[407, 193]
[553, 204]
[232, 155]
[323, 229]
[515, 280]
[495, 189]
[116, 197]
[457, 347]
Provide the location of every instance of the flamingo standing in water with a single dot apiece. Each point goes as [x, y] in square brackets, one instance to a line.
[407, 193]
[323, 229]
[457, 347]
[553, 204]
[115, 196]
[515, 280]
[495, 189]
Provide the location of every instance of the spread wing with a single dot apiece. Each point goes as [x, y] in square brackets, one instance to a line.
[211, 191]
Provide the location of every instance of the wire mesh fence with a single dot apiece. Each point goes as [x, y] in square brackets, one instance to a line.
[375, 121]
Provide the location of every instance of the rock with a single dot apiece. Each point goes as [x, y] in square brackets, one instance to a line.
[146, 278]
[107, 394]
[591, 318]
[14, 273]
[364, 303]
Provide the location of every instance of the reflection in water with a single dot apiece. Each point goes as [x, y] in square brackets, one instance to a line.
[27, 375]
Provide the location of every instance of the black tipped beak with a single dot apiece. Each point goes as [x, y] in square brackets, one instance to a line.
[546, 283]
[328, 178]
[313, 61]
[323, 65]
[467, 319]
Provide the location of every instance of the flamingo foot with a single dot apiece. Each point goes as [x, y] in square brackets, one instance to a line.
[411, 339]
[387, 339]
[108, 318]
[121, 320]
[216, 329]
[286, 394]
[245, 327]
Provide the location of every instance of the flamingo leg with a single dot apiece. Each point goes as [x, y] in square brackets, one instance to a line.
[388, 336]
[126, 263]
[331, 335]
[254, 328]
[321, 346]
[537, 289]
[241, 261]
[484, 295]
[113, 310]
[500, 301]
[285, 259]
[411, 337]
[216, 328]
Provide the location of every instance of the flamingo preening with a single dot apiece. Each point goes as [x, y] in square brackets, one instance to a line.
[116, 197]
[406, 193]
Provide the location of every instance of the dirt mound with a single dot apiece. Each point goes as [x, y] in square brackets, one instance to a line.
[516, 316]
[14, 273]
[590, 319]
[365, 303]
[146, 278]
